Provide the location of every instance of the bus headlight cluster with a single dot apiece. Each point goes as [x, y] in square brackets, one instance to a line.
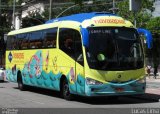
[90, 81]
[143, 80]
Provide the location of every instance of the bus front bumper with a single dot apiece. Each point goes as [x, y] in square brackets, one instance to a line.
[110, 89]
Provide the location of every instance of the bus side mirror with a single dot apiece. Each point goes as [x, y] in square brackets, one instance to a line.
[148, 36]
[85, 37]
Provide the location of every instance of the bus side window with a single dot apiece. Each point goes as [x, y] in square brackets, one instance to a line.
[38, 44]
[70, 43]
[22, 41]
[24, 45]
[35, 40]
[50, 36]
[10, 41]
[66, 41]
[32, 45]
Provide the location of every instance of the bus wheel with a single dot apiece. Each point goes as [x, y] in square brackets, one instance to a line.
[20, 82]
[65, 91]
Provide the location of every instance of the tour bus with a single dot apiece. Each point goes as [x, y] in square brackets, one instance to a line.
[87, 54]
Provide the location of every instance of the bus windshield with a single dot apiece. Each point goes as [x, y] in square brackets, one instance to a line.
[114, 48]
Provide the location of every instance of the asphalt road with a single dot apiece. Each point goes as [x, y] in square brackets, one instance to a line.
[12, 97]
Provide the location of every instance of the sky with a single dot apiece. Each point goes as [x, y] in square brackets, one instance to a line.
[156, 13]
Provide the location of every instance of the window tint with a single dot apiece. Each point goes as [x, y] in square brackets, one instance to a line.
[66, 41]
[70, 43]
[33, 40]
[11, 42]
[22, 41]
[50, 36]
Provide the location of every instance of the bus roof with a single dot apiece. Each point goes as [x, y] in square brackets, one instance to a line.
[85, 19]
[80, 17]
[34, 28]
[94, 18]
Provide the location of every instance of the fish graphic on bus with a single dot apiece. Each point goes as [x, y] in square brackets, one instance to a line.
[34, 66]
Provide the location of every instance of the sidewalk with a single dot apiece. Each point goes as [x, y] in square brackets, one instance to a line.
[152, 89]
[153, 85]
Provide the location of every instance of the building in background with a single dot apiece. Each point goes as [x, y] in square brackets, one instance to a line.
[39, 6]
[32, 6]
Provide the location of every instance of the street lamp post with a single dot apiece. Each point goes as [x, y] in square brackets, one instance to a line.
[113, 9]
[114, 6]
[14, 3]
[50, 10]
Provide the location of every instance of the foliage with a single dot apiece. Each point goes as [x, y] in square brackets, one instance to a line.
[154, 25]
[142, 16]
[66, 9]
[80, 7]
[5, 17]
[78, 2]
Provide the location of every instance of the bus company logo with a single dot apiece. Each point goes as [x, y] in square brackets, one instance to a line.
[111, 21]
[18, 55]
[10, 57]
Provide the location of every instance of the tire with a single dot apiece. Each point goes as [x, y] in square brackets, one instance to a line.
[65, 91]
[21, 86]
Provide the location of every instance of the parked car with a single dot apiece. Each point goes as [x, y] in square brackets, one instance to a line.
[2, 74]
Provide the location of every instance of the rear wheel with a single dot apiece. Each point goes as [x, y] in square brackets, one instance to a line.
[21, 86]
[65, 90]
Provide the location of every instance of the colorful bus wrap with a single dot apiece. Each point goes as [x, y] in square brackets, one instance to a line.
[89, 54]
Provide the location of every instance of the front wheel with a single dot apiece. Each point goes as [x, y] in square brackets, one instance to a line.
[65, 91]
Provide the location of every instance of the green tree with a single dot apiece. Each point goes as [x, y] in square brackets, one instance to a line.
[6, 11]
[153, 25]
[82, 7]
[142, 16]
[78, 2]
[5, 17]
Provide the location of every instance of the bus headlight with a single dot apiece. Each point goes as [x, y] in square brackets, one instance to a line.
[90, 81]
[143, 80]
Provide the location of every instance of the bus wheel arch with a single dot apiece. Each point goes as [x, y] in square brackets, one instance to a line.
[64, 88]
[20, 81]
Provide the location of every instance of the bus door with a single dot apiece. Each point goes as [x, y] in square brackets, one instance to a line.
[80, 83]
[70, 43]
